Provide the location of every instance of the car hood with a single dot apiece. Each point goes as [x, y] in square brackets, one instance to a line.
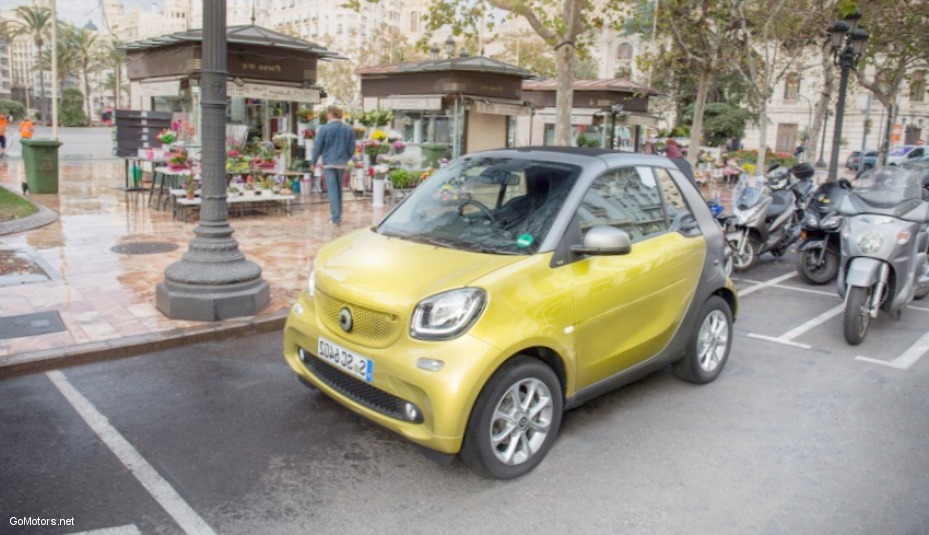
[393, 274]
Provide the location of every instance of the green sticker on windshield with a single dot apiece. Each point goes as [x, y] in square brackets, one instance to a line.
[525, 240]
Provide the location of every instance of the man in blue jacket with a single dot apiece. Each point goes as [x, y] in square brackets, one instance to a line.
[335, 142]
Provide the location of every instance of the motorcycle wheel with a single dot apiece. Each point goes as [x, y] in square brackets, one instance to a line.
[921, 293]
[857, 315]
[815, 274]
[743, 262]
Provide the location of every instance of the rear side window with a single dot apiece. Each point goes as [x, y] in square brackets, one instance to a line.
[679, 214]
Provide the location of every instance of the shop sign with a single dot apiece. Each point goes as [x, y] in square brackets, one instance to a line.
[170, 88]
[273, 92]
[499, 108]
[412, 103]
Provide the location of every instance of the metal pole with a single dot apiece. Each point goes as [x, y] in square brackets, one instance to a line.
[213, 280]
[864, 135]
[839, 114]
[54, 56]
[821, 162]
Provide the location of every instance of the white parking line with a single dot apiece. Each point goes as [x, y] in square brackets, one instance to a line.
[779, 340]
[161, 490]
[801, 329]
[763, 285]
[121, 530]
[907, 359]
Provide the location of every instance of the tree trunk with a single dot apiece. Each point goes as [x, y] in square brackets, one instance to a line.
[119, 87]
[564, 98]
[696, 131]
[762, 137]
[87, 94]
[822, 104]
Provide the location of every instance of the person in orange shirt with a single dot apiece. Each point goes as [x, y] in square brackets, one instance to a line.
[26, 128]
[4, 123]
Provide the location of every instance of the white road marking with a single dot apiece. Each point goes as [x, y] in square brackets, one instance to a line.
[121, 530]
[801, 329]
[807, 290]
[763, 285]
[907, 359]
[161, 490]
[779, 340]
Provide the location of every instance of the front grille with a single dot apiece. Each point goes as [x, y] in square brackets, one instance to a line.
[370, 327]
[355, 389]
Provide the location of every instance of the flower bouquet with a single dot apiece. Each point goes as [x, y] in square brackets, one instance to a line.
[167, 136]
[399, 146]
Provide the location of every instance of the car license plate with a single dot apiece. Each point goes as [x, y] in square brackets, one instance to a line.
[346, 360]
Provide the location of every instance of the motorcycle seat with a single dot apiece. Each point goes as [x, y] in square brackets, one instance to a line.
[780, 202]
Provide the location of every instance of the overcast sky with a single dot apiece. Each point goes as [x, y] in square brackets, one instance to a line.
[78, 12]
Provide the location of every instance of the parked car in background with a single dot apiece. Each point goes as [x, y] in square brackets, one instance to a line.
[508, 287]
[855, 158]
[906, 153]
[870, 159]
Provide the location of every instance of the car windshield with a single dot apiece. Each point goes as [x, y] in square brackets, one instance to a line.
[900, 151]
[489, 205]
[890, 187]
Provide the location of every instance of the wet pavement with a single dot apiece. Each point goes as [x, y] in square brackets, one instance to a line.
[106, 298]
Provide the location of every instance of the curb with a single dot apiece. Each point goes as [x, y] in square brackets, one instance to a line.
[37, 220]
[131, 346]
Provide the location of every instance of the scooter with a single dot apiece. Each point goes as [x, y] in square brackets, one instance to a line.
[768, 222]
[817, 260]
[884, 242]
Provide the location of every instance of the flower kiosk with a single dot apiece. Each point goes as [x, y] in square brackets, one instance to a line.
[448, 107]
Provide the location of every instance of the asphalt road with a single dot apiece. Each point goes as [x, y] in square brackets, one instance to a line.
[796, 436]
[93, 143]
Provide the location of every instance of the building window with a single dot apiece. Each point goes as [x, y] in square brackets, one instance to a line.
[414, 21]
[918, 87]
[792, 87]
[624, 52]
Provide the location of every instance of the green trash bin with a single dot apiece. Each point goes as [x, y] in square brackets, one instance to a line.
[41, 159]
[432, 153]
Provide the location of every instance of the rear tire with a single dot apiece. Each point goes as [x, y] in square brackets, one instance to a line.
[708, 349]
[821, 274]
[515, 420]
[857, 314]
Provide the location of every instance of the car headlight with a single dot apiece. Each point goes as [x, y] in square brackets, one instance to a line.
[447, 315]
[870, 242]
[832, 222]
[311, 280]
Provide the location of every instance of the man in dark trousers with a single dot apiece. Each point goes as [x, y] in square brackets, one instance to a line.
[335, 142]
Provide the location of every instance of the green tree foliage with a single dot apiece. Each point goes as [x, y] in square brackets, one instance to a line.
[72, 108]
[722, 121]
[12, 108]
[529, 51]
[83, 43]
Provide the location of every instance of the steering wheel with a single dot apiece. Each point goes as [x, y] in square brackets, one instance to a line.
[481, 206]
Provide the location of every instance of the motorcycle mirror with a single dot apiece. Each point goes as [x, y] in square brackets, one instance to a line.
[845, 183]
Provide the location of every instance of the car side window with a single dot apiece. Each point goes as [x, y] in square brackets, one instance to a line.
[628, 199]
[679, 214]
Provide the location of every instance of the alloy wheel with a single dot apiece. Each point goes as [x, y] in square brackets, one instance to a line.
[521, 421]
[712, 341]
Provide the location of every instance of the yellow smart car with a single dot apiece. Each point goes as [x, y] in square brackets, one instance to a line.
[510, 286]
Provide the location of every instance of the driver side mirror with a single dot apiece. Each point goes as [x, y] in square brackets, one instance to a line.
[604, 240]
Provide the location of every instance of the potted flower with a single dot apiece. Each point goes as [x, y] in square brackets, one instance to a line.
[399, 146]
[167, 137]
[266, 155]
[403, 181]
[190, 187]
[178, 161]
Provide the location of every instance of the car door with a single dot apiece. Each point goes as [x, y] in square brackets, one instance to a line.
[628, 306]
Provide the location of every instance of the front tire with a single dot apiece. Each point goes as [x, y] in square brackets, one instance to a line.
[515, 420]
[857, 314]
[817, 274]
[744, 261]
[709, 345]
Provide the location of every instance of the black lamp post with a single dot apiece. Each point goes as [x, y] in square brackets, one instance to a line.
[450, 46]
[821, 162]
[848, 42]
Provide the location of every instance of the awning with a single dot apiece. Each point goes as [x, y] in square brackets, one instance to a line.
[411, 102]
[272, 92]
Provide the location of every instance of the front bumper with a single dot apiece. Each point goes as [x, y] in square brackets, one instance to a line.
[444, 397]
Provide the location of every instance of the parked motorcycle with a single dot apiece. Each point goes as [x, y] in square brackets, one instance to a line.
[817, 259]
[883, 242]
[768, 221]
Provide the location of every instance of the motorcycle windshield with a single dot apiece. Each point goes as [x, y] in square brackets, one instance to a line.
[892, 190]
[827, 197]
[746, 195]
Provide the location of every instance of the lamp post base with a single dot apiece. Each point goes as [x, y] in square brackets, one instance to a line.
[820, 163]
[237, 291]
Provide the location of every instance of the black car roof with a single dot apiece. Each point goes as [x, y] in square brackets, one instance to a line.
[583, 151]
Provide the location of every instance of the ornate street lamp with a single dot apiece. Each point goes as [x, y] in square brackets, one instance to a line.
[848, 41]
[450, 46]
[821, 162]
[213, 281]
